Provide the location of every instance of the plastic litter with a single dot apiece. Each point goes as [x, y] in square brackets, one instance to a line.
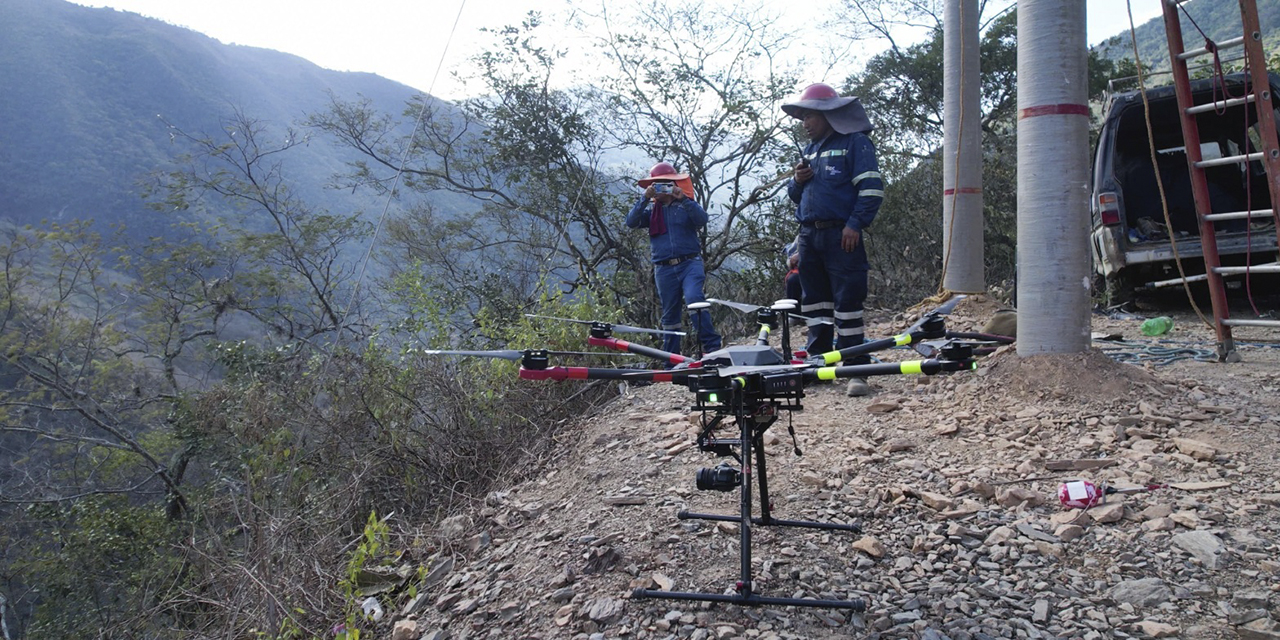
[372, 609]
[1157, 326]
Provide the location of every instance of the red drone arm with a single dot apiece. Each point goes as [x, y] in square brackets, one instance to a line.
[623, 345]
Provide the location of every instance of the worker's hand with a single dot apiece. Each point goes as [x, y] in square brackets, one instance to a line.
[803, 172]
[649, 193]
[849, 239]
[677, 194]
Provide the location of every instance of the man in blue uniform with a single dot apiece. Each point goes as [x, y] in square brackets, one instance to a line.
[838, 188]
[673, 218]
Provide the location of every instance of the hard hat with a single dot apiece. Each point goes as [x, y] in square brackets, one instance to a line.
[818, 91]
[845, 114]
[665, 172]
[663, 169]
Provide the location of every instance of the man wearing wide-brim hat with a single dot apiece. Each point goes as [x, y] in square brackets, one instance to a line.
[674, 218]
[838, 188]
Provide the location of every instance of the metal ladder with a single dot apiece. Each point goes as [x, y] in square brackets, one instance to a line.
[1260, 96]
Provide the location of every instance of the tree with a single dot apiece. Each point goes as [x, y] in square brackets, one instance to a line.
[902, 91]
[541, 161]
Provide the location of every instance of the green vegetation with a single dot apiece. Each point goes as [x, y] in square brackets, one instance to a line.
[219, 418]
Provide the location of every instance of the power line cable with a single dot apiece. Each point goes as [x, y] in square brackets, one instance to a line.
[404, 157]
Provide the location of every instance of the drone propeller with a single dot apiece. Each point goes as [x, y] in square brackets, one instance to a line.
[932, 348]
[618, 328]
[725, 372]
[752, 308]
[505, 354]
[941, 310]
[740, 306]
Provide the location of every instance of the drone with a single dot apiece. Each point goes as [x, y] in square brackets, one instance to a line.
[751, 386]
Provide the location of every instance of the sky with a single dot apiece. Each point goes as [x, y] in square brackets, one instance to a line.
[406, 40]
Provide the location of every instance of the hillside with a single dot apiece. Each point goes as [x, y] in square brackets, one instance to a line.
[1218, 20]
[950, 478]
[88, 93]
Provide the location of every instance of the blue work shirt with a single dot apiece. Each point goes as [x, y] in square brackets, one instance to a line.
[846, 184]
[684, 218]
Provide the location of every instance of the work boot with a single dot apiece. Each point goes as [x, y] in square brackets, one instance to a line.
[858, 387]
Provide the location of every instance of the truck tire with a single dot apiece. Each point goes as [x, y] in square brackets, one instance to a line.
[1117, 290]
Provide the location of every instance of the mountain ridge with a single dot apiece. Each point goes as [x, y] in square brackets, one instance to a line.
[96, 90]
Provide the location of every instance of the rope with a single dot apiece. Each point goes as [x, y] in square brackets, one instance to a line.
[1151, 144]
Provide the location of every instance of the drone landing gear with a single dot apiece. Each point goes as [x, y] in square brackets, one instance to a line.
[752, 428]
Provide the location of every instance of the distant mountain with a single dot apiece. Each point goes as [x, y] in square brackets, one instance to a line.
[1218, 19]
[86, 93]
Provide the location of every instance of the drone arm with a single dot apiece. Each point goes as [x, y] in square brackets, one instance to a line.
[927, 367]
[639, 349]
[762, 339]
[560, 374]
[832, 357]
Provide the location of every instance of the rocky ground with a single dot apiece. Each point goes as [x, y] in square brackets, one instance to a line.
[954, 481]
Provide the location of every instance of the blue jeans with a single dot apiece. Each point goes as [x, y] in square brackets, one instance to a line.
[834, 286]
[678, 286]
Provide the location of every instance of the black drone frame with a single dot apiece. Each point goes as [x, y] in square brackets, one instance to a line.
[753, 385]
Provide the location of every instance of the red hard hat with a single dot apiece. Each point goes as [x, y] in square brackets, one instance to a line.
[818, 91]
[662, 169]
[664, 172]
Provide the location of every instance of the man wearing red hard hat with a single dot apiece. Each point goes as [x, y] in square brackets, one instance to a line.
[673, 218]
[838, 189]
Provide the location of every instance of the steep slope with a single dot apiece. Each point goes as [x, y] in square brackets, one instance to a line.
[954, 481]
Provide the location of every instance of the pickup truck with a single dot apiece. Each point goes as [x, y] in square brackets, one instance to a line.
[1132, 246]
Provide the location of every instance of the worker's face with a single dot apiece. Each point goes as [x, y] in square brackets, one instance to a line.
[816, 125]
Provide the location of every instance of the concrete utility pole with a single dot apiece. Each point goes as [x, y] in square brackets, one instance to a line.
[1053, 178]
[962, 256]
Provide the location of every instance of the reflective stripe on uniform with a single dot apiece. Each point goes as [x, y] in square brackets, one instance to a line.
[848, 315]
[851, 331]
[864, 175]
[872, 193]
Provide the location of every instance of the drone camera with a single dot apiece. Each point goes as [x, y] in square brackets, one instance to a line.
[720, 478]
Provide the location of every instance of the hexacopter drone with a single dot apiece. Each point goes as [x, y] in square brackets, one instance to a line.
[753, 384]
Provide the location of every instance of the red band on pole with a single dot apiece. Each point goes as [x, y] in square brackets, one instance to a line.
[1054, 110]
[962, 191]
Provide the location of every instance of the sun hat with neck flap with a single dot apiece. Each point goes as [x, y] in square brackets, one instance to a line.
[664, 172]
[844, 113]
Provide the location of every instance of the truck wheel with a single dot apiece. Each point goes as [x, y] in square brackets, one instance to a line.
[1117, 291]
